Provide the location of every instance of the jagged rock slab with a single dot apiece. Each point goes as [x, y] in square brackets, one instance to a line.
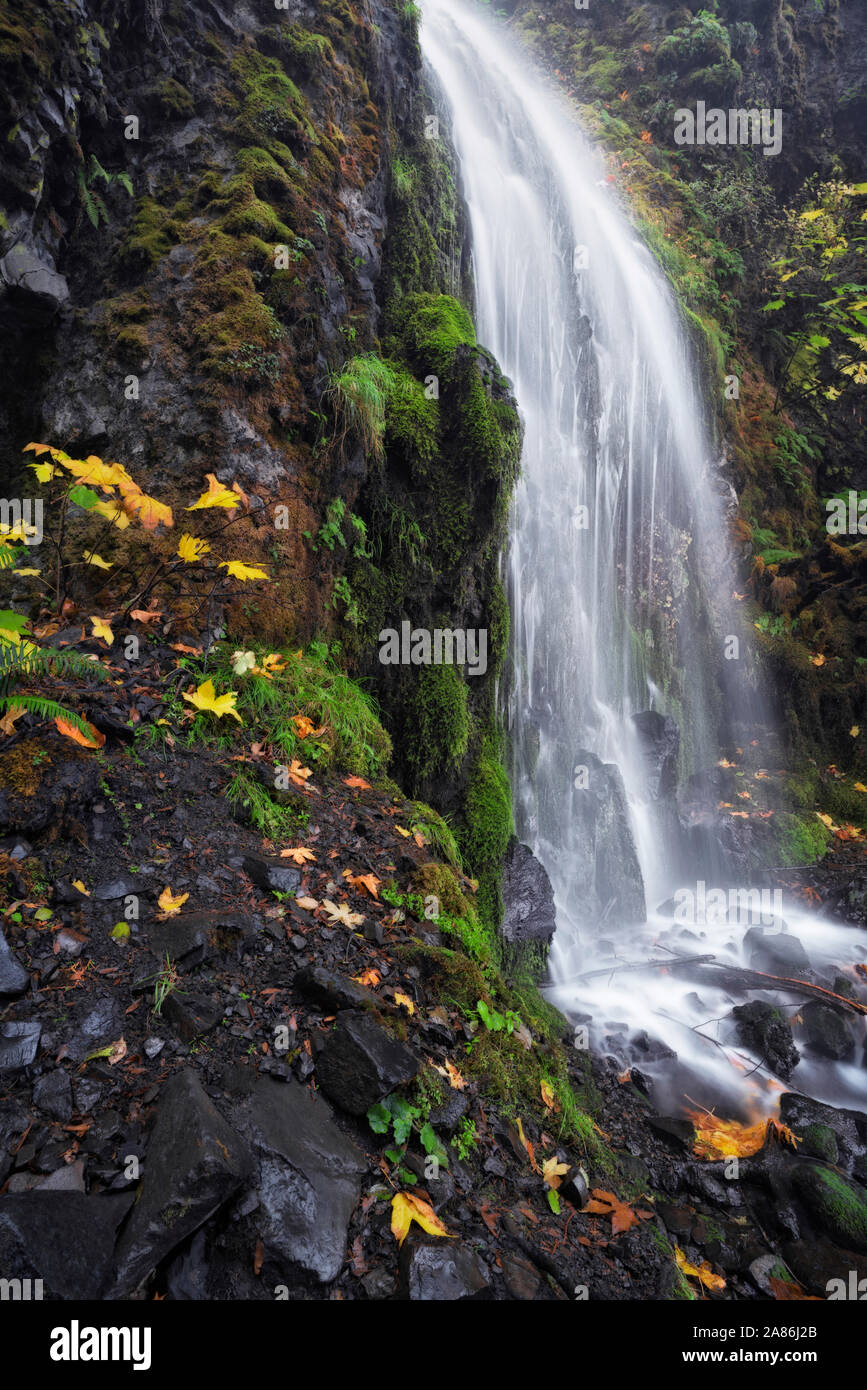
[195, 1161]
[63, 1238]
[361, 1063]
[528, 898]
[441, 1273]
[14, 979]
[308, 1178]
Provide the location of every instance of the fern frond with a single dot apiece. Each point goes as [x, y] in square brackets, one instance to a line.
[9, 557]
[46, 709]
[18, 664]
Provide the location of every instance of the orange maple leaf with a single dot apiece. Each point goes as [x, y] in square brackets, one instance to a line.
[623, 1218]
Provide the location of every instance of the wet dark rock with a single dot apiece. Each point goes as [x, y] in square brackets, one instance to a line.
[361, 1063]
[307, 1179]
[649, 1049]
[101, 1025]
[64, 1238]
[19, 1043]
[521, 1279]
[826, 1032]
[767, 1032]
[447, 1117]
[378, 1284]
[446, 1272]
[776, 953]
[574, 1189]
[528, 898]
[14, 979]
[659, 741]
[187, 1272]
[29, 278]
[838, 1136]
[817, 1263]
[195, 1161]
[193, 937]
[53, 1095]
[837, 1205]
[115, 888]
[334, 991]
[678, 1133]
[272, 874]
[608, 870]
[190, 1017]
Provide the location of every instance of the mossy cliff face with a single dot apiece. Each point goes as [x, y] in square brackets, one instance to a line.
[280, 299]
[194, 327]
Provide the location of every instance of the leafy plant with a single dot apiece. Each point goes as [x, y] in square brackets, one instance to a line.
[466, 1139]
[496, 1022]
[91, 172]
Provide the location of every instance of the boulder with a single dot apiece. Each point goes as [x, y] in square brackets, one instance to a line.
[442, 1273]
[361, 1063]
[19, 1043]
[837, 1205]
[195, 1162]
[608, 861]
[839, 1136]
[528, 898]
[14, 979]
[308, 1176]
[827, 1032]
[271, 874]
[776, 953]
[767, 1032]
[53, 1095]
[193, 937]
[333, 991]
[63, 1238]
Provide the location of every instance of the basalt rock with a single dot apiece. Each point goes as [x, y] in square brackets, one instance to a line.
[767, 1032]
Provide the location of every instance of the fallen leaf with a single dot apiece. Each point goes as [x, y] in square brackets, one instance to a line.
[170, 904]
[7, 723]
[77, 883]
[368, 881]
[238, 570]
[102, 630]
[297, 773]
[299, 855]
[216, 496]
[406, 1207]
[146, 615]
[206, 699]
[309, 904]
[305, 727]
[702, 1272]
[553, 1172]
[548, 1096]
[342, 913]
[114, 1052]
[357, 782]
[623, 1218]
[370, 978]
[405, 1000]
[93, 739]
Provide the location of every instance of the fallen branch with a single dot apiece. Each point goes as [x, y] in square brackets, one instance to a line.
[757, 979]
[664, 964]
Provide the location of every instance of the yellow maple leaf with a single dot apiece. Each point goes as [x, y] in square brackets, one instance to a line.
[91, 558]
[548, 1096]
[407, 1207]
[25, 572]
[192, 548]
[102, 630]
[216, 496]
[44, 471]
[206, 699]
[342, 913]
[405, 1000]
[854, 731]
[369, 977]
[77, 883]
[113, 512]
[703, 1272]
[238, 570]
[297, 773]
[148, 510]
[299, 855]
[169, 903]
[553, 1172]
[859, 787]
[400, 830]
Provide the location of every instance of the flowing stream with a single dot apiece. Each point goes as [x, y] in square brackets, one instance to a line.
[619, 576]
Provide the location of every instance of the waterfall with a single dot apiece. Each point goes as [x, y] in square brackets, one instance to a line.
[619, 573]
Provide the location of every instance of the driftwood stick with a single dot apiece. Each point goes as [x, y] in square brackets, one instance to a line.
[757, 979]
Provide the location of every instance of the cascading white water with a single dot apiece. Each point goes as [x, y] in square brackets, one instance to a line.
[618, 522]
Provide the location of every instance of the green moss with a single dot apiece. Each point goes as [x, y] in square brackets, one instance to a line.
[437, 725]
[271, 104]
[488, 826]
[819, 1141]
[801, 839]
[151, 237]
[413, 424]
[840, 1205]
[173, 99]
